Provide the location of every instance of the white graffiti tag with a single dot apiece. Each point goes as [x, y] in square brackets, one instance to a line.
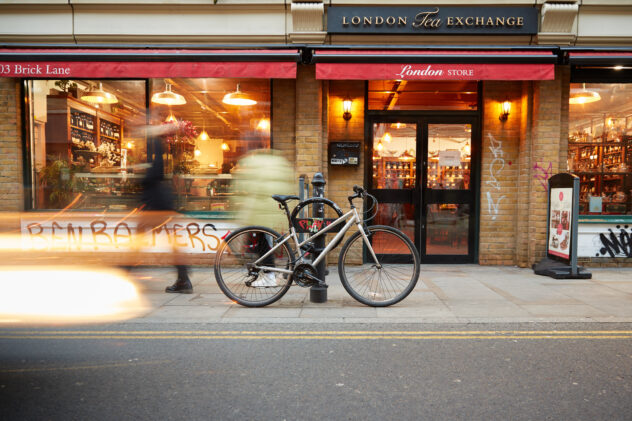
[495, 167]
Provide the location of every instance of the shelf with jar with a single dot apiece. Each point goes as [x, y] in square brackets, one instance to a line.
[81, 133]
[601, 154]
[447, 177]
[394, 173]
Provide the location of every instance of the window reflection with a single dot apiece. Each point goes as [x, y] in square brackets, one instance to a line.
[447, 227]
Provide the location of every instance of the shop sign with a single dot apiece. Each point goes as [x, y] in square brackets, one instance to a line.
[117, 234]
[434, 71]
[562, 230]
[139, 69]
[560, 213]
[409, 20]
[344, 153]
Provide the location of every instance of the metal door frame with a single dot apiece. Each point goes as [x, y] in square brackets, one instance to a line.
[418, 195]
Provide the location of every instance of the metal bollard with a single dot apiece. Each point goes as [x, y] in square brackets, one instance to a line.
[303, 186]
[318, 294]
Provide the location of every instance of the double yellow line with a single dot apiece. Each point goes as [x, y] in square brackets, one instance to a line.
[317, 334]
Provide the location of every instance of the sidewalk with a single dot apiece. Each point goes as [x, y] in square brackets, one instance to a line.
[444, 294]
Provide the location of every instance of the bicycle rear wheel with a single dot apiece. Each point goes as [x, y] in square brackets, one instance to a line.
[237, 281]
[391, 279]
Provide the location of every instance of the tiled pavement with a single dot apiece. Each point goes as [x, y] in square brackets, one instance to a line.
[444, 294]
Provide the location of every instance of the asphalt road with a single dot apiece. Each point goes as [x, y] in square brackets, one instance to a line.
[321, 372]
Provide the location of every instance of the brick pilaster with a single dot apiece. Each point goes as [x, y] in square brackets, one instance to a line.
[11, 190]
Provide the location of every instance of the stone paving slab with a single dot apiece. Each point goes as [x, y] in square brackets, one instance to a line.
[444, 294]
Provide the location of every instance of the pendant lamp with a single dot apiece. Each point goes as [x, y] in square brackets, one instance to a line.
[168, 97]
[238, 98]
[584, 96]
[99, 96]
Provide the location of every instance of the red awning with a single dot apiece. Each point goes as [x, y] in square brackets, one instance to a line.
[435, 64]
[147, 63]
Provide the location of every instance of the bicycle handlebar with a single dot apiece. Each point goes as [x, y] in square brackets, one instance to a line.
[360, 192]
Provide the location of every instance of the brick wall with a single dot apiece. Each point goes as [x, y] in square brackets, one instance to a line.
[518, 156]
[309, 122]
[547, 123]
[499, 173]
[284, 117]
[342, 179]
[11, 190]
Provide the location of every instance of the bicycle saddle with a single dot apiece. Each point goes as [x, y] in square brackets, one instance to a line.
[284, 198]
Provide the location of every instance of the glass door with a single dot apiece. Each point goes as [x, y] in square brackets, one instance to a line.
[423, 173]
[394, 175]
[448, 205]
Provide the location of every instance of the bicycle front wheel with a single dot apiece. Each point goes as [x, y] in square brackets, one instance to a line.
[233, 267]
[383, 282]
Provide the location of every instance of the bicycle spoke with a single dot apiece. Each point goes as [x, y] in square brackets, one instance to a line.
[234, 267]
[388, 284]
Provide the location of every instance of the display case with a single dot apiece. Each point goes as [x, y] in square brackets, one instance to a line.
[600, 152]
[204, 192]
[108, 191]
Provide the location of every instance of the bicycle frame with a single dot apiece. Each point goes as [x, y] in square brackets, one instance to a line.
[354, 219]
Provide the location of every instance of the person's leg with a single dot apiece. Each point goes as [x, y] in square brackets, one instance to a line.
[262, 246]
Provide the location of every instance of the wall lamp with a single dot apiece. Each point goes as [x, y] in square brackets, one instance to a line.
[505, 109]
[346, 108]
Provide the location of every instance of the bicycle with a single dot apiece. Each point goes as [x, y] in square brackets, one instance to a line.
[255, 266]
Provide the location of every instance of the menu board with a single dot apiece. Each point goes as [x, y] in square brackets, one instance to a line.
[560, 214]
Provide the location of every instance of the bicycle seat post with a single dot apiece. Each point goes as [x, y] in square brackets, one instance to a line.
[318, 293]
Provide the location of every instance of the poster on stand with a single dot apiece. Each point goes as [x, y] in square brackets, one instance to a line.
[560, 214]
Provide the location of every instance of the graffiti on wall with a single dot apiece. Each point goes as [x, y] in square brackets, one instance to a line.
[615, 242]
[114, 235]
[495, 168]
[543, 174]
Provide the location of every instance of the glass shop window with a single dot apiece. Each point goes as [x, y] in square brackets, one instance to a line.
[600, 146]
[218, 121]
[89, 139]
[86, 138]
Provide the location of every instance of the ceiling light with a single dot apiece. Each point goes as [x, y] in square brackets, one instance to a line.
[264, 124]
[171, 118]
[379, 146]
[168, 97]
[225, 147]
[406, 156]
[584, 96]
[238, 98]
[99, 96]
[387, 137]
[203, 135]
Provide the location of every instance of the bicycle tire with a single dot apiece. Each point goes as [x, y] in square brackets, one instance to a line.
[328, 204]
[231, 273]
[387, 285]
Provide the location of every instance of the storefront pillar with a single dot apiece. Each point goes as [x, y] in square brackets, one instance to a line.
[11, 185]
[309, 122]
[548, 133]
[502, 141]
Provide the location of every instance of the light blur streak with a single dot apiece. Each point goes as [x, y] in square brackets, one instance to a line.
[61, 295]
